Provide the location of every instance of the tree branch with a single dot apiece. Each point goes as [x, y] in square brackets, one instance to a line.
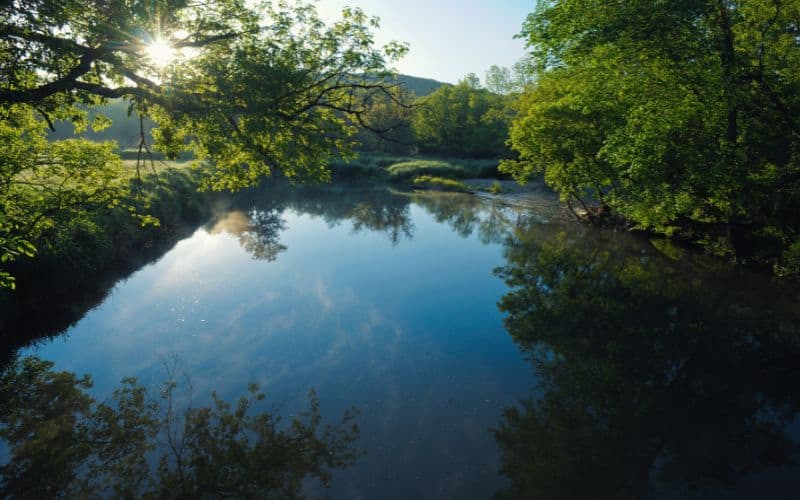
[63, 84]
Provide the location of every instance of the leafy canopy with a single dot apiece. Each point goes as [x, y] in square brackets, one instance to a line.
[680, 116]
[251, 89]
[462, 120]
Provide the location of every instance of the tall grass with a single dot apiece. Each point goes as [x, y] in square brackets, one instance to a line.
[373, 167]
[439, 183]
[453, 169]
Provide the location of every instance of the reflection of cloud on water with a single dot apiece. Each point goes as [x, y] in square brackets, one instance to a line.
[328, 314]
[188, 263]
[325, 300]
[374, 341]
[233, 223]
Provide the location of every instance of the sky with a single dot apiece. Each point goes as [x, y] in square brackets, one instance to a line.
[448, 38]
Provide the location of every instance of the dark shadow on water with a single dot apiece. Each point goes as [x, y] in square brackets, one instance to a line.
[47, 302]
[657, 379]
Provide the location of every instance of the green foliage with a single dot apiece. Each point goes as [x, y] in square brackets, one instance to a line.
[411, 169]
[462, 120]
[504, 81]
[677, 116]
[453, 169]
[252, 90]
[364, 169]
[386, 125]
[75, 251]
[64, 443]
[46, 186]
[431, 182]
[789, 264]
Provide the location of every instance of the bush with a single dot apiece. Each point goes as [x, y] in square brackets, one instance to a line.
[789, 265]
[362, 168]
[412, 169]
[440, 183]
[99, 239]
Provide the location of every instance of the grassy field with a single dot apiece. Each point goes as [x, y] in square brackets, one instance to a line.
[159, 165]
[155, 161]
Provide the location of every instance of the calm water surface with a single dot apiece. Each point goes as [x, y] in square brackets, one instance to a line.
[490, 348]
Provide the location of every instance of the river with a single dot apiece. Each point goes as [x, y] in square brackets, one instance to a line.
[490, 345]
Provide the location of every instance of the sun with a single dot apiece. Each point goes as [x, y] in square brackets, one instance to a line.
[160, 52]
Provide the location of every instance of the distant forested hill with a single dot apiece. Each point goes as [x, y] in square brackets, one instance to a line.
[420, 86]
[124, 129]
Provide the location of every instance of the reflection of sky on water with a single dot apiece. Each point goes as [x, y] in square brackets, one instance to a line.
[388, 302]
[408, 332]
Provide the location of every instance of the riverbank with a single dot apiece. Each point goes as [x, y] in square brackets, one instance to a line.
[75, 271]
[768, 251]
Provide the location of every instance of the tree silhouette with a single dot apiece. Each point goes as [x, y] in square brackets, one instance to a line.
[645, 376]
[64, 443]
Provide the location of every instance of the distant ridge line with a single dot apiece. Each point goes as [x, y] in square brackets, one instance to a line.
[418, 85]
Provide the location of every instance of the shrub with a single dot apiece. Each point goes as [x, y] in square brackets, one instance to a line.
[440, 183]
[411, 169]
[789, 265]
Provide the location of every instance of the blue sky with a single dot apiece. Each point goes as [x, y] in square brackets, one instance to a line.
[448, 38]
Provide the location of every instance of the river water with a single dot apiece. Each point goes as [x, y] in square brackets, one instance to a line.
[489, 347]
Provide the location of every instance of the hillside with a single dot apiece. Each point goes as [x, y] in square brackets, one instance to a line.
[420, 86]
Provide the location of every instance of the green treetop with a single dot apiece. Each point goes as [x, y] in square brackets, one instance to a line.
[680, 116]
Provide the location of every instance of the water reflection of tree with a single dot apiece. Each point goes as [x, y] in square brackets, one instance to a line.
[258, 230]
[648, 375]
[467, 214]
[377, 210]
[262, 240]
[255, 217]
[63, 443]
[367, 209]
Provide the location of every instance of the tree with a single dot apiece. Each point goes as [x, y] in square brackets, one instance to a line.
[252, 90]
[504, 81]
[462, 120]
[498, 80]
[64, 443]
[390, 116]
[680, 117]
